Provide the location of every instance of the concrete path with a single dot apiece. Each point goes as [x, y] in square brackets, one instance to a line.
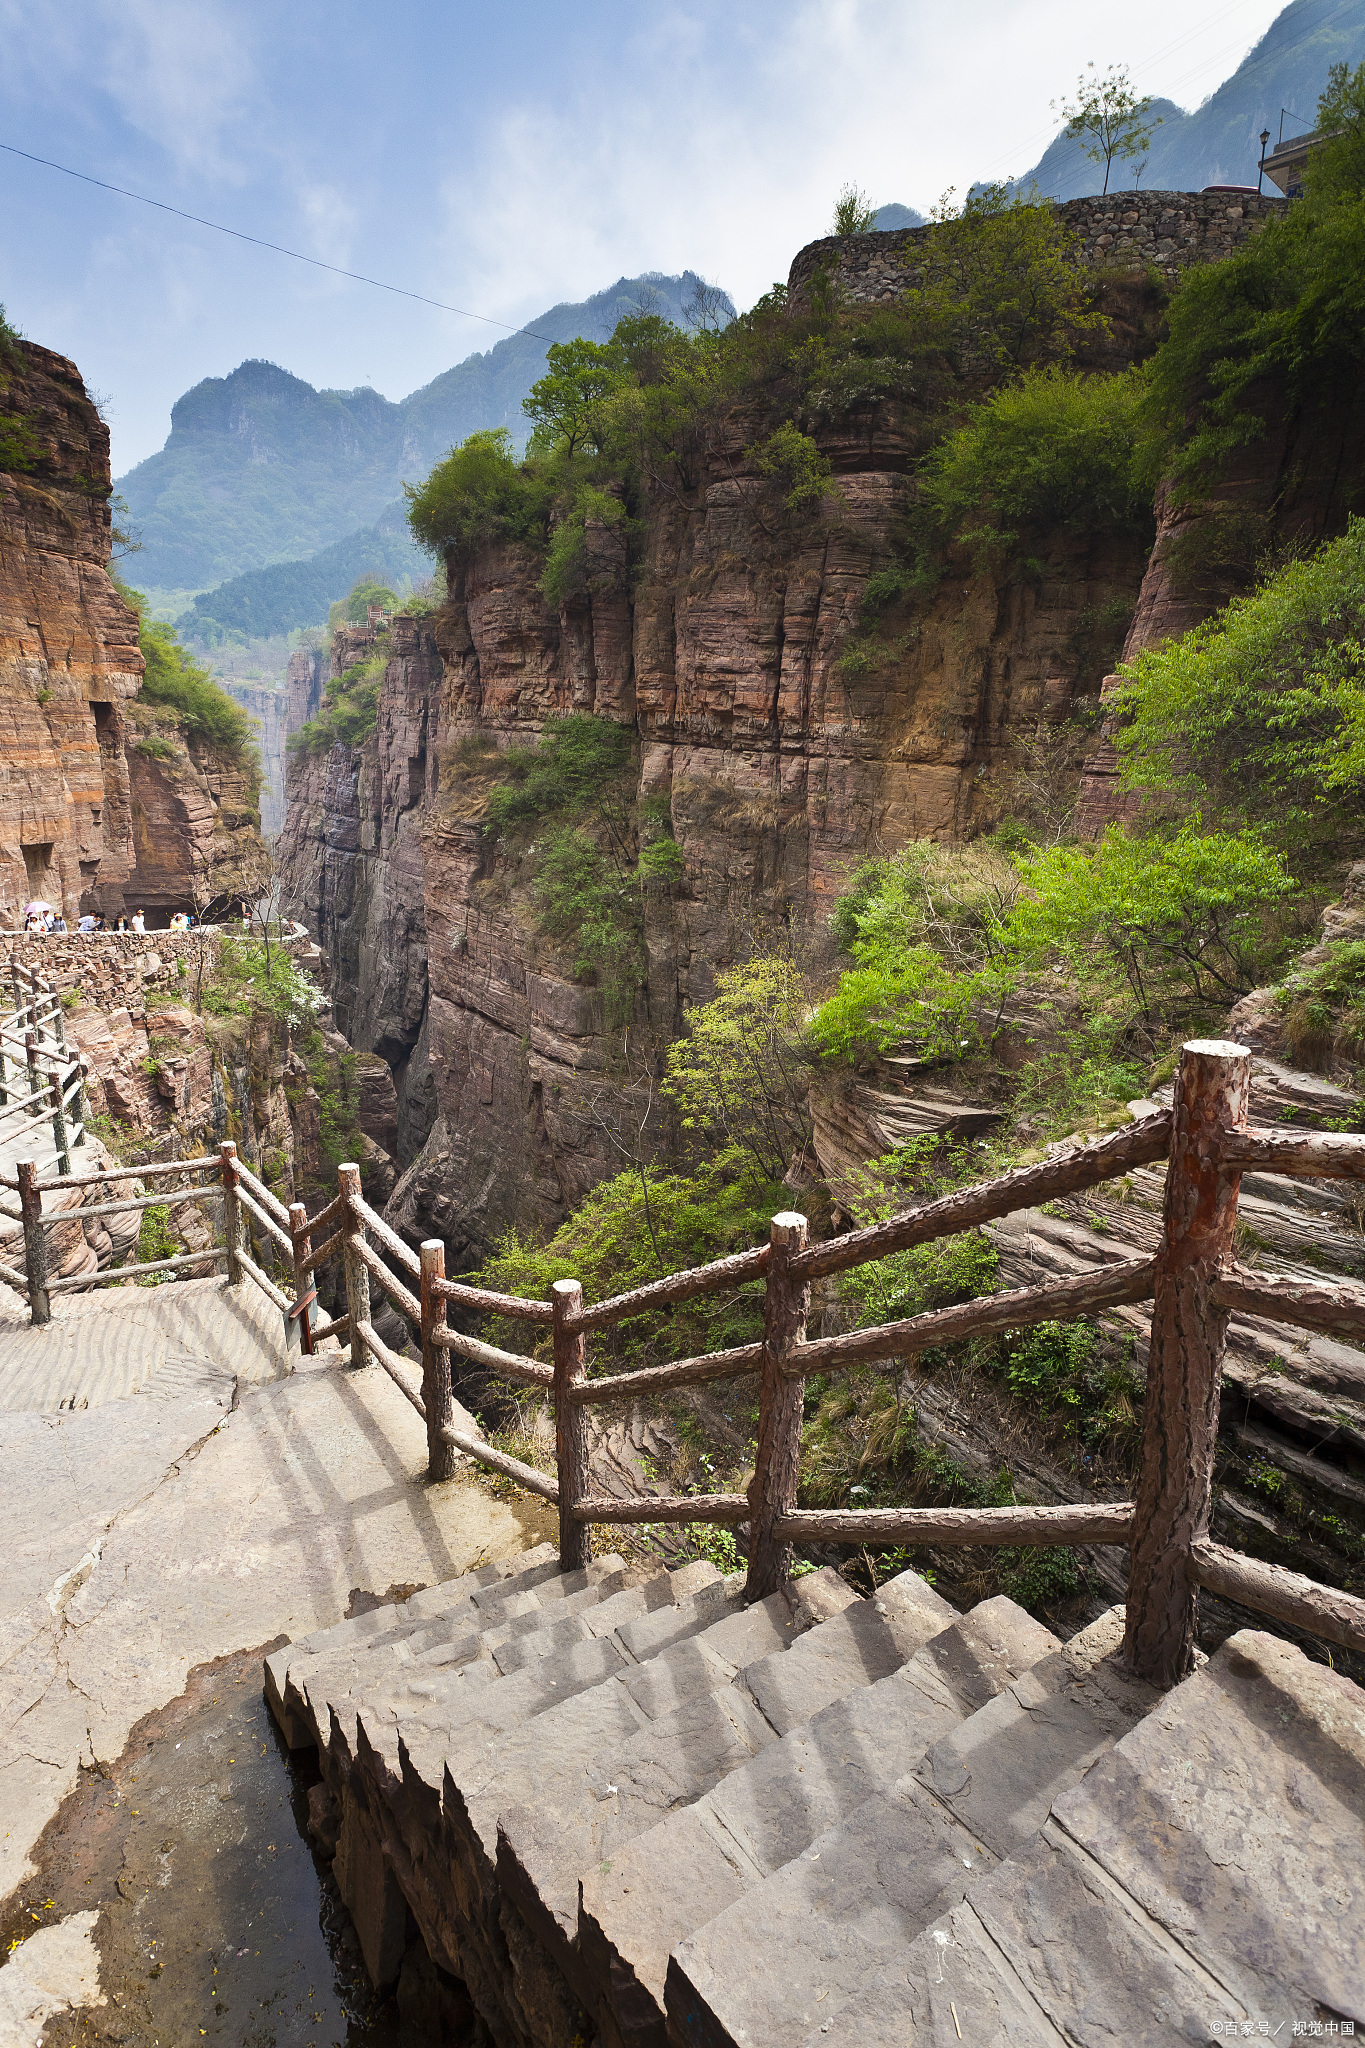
[207, 1500]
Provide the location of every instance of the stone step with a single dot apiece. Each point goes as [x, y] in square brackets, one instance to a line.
[461, 1651]
[389, 1623]
[1205, 1869]
[865, 1888]
[583, 1822]
[386, 1746]
[684, 1872]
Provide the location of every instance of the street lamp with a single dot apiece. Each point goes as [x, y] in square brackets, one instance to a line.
[1260, 168]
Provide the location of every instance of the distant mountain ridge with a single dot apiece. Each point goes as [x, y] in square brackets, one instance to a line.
[1219, 144]
[261, 469]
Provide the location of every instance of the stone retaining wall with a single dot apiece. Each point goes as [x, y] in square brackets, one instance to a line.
[113, 970]
[1165, 231]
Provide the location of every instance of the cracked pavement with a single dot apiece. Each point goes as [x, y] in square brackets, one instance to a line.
[225, 1502]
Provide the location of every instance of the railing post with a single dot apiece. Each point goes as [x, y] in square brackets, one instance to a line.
[305, 1282]
[4, 1091]
[777, 1467]
[357, 1279]
[571, 1427]
[35, 1244]
[232, 1213]
[436, 1395]
[31, 1058]
[1185, 1362]
[82, 1104]
[54, 1096]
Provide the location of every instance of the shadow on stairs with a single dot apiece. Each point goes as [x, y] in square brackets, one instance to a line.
[623, 1808]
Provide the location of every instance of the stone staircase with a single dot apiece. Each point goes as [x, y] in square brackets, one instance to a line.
[624, 1808]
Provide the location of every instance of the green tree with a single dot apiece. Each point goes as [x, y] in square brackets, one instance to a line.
[854, 212]
[1259, 712]
[1058, 450]
[568, 404]
[1108, 118]
[479, 493]
[1277, 326]
[738, 1077]
[1183, 917]
[1000, 283]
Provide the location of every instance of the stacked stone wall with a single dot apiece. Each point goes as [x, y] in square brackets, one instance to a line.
[115, 970]
[1163, 231]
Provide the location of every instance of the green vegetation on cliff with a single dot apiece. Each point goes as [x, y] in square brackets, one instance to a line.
[176, 682]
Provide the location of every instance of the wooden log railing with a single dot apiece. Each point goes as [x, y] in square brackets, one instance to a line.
[1193, 1282]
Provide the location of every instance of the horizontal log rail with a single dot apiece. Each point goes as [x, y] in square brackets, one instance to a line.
[1019, 1308]
[121, 1207]
[150, 1171]
[13, 1278]
[726, 1509]
[682, 1372]
[482, 1298]
[339, 1326]
[1078, 1523]
[1307, 1155]
[336, 1208]
[721, 1273]
[510, 1364]
[324, 1252]
[1024, 1188]
[264, 1282]
[402, 1375]
[108, 1273]
[1284, 1595]
[1337, 1311]
[389, 1238]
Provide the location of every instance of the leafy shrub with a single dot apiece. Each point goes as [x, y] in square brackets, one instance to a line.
[174, 678]
[1053, 452]
[738, 1075]
[1260, 711]
[20, 449]
[1281, 320]
[577, 760]
[479, 493]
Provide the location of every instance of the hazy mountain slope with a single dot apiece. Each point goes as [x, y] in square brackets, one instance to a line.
[263, 602]
[260, 468]
[1218, 144]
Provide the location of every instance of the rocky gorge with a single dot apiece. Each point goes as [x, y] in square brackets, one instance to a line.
[776, 742]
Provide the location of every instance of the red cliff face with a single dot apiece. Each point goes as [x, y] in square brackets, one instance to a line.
[87, 819]
[69, 658]
[778, 748]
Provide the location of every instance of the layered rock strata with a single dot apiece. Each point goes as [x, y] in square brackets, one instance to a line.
[773, 752]
[103, 805]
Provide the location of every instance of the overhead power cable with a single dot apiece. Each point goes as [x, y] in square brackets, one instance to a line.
[278, 248]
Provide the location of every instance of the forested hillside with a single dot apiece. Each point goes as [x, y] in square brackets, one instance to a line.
[260, 468]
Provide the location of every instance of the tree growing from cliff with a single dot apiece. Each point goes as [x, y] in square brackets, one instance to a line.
[739, 1077]
[1108, 118]
[568, 405]
[1000, 284]
[854, 212]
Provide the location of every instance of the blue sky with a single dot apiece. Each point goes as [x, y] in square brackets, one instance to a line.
[497, 157]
